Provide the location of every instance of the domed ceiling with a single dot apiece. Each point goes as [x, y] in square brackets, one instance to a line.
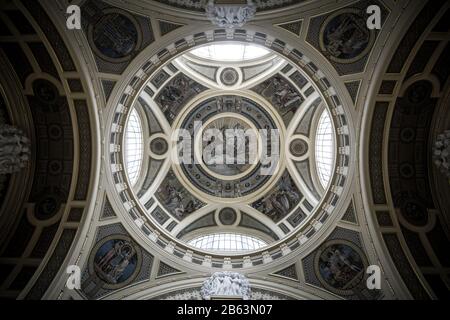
[229, 139]
[155, 148]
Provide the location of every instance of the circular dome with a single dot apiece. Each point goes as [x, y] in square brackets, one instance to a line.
[241, 154]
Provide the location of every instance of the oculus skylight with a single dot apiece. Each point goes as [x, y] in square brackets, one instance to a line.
[231, 52]
[227, 242]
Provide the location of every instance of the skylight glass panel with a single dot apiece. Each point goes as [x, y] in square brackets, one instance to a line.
[230, 52]
[133, 147]
[324, 149]
[227, 242]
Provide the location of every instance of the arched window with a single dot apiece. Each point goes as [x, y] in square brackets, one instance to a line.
[324, 149]
[133, 146]
[227, 242]
[230, 52]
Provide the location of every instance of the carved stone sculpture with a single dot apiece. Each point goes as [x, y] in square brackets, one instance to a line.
[226, 284]
[15, 150]
[441, 153]
[230, 16]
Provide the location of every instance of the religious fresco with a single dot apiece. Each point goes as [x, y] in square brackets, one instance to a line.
[115, 36]
[241, 147]
[340, 265]
[282, 95]
[176, 199]
[174, 96]
[344, 36]
[230, 112]
[281, 201]
[115, 261]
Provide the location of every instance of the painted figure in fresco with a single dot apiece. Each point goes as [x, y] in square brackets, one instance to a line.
[285, 97]
[279, 203]
[174, 95]
[119, 259]
[345, 36]
[115, 36]
[281, 94]
[233, 149]
[339, 265]
[175, 91]
[120, 267]
[193, 205]
[110, 254]
[176, 199]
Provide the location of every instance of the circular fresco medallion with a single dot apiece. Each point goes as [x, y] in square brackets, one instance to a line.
[344, 36]
[227, 216]
[115, 36]
[299, 148]
[229, 77]
[159, 146]
[115, 261]
[227, 143]
[340, 266]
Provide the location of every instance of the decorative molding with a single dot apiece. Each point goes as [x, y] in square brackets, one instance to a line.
[166, 27]
[166, 270]
[294, 27]
[289, 272]
[353, 88]
[350, 214]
